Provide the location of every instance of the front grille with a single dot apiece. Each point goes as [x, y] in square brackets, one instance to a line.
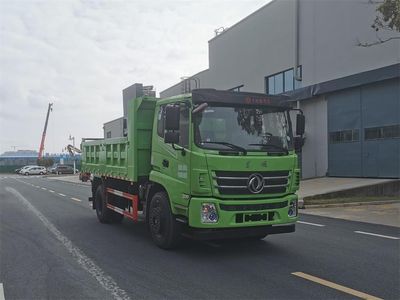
[235, 182]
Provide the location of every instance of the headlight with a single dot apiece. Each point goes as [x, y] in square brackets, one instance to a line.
[209, 213]
[292, 212]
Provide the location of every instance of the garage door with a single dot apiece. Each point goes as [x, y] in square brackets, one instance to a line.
[364, 131]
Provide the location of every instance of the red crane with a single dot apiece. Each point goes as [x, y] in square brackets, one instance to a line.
[41, 149]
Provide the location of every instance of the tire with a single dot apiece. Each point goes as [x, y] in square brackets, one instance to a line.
[165, 230]
[26, 174]
[104, 214]
[41, 173]
[58, 173]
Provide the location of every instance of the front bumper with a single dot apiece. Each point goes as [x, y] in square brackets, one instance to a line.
[230, 233]
[243, 213]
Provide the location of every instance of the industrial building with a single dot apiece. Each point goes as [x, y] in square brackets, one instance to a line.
[325, 55]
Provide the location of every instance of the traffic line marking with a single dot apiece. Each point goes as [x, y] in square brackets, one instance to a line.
[336, 286]
[61, 194]
[379, 235]
[51, 191]
[105, 280]
[308, 223]
[76, 199]
[44, 189]
[2, 292]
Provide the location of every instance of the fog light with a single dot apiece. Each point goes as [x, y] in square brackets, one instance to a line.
[208, 213]
[292, 212]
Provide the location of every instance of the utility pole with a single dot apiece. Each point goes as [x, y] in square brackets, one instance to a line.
[72, 138]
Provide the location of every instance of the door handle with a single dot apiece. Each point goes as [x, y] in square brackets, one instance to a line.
[165, 163]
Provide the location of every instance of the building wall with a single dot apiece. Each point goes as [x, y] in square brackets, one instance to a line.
[114, 127]
[329, 33]
[315, 150]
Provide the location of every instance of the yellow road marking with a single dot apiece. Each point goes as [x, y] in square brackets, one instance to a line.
[336, 286]
[76, 199]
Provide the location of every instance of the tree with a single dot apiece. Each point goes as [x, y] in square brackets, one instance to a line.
[45, 162]
[388, 19]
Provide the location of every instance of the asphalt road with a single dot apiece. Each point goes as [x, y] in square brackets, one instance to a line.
[53, 247]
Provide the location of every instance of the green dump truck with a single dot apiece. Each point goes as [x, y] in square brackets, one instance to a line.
[207, 165]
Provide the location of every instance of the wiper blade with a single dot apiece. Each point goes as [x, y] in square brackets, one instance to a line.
[271, 145]
[232, 146]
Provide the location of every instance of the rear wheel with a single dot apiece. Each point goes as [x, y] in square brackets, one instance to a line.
[104, 214]
[41, 173]
[165, 230]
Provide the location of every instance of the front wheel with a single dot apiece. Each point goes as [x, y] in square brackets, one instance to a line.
[26, 174]
[41, 173]
[165, 230]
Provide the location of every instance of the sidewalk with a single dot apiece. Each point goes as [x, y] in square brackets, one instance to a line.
[324, 185]
[383, 214]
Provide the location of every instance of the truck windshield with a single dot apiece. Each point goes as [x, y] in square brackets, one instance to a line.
[251, 129]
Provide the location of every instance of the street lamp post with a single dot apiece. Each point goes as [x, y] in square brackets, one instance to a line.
[72, 138]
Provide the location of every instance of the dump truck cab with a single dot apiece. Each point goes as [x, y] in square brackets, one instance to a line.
[227, 161]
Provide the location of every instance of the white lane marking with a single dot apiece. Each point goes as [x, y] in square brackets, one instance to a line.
[44, 189]
[379, 235]
[51, 191]
[106, 281]
[37, 186]
[76, 199]
[2, 292]
[61, 194]
[308, 223]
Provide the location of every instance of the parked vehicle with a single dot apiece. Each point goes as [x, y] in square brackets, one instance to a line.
[207, 165]
[21, 171]
[35, 171]
[84, 176]
[62, 169]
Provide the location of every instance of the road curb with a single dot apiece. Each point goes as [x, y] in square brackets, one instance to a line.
[346, 204]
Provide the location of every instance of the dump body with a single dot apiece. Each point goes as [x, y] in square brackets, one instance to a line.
[128, 157]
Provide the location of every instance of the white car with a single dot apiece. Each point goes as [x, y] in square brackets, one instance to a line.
[23, 169]
[35, 171]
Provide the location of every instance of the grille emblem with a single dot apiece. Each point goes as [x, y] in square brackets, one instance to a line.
[255, 183]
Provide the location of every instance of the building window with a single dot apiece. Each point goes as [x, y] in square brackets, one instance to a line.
[282, 82]
[382, 132]
[160, 121]
[343, 136]
[108, 134]
[236, 88]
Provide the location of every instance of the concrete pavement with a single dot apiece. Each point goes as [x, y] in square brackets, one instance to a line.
[384, 214]
[324, 185]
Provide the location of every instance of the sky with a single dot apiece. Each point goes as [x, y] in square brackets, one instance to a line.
[79, 55]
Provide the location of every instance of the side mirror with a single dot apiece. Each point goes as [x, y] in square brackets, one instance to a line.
[171, 137]
[298, 144]
[172, 115]
[300, 124]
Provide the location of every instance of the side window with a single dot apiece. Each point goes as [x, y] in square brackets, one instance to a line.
[184, 127]
[160, 121]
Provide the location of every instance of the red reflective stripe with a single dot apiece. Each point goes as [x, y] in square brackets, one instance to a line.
[133, 198]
